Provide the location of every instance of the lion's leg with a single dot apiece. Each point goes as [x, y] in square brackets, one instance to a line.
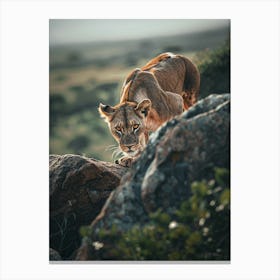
[125, 161]
[191, 83]
[190, 98]
[146, 133]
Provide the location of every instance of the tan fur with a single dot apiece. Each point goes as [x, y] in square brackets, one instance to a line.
[163, 88]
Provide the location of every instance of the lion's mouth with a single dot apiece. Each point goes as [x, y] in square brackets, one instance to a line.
[133, 153]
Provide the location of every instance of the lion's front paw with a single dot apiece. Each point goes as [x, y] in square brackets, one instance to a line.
[124, 161]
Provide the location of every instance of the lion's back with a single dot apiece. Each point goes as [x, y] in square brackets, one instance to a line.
[169, 70]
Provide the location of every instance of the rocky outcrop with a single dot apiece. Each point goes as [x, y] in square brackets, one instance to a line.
[185, 149]
[54, 255]
[79, 187]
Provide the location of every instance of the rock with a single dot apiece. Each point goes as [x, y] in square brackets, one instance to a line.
[54, 255]
[185, 149]
[79, 187]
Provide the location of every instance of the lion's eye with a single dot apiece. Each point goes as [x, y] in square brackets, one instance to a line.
[118, 129]
[135, 126]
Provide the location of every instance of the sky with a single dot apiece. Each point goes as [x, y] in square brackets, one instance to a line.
[66, 31]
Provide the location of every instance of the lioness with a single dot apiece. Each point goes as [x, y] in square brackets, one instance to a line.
[163, 88]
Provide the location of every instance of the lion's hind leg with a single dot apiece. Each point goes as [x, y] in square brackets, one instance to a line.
[191, 83]
[190, 98]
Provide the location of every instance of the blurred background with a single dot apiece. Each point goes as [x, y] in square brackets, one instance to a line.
[89, 60]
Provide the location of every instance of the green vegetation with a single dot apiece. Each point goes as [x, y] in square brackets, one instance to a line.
[75, 124]
[214, 67]
[199, 230]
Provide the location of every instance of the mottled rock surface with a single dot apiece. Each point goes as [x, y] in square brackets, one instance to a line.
[79, 187]
[184, 150]
[54, 255]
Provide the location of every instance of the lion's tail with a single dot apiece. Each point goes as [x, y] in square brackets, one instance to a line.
[191, 83]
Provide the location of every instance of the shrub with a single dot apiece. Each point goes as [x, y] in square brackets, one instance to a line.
[79, 143]
[214, 67]
[198, 230]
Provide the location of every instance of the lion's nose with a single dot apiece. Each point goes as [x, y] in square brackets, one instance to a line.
[129, 147]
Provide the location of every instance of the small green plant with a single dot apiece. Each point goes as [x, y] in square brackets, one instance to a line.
[198, 230]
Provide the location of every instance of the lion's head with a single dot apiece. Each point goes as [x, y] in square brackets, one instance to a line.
[127, 123]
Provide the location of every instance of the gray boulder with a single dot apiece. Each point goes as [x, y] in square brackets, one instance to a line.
[79, 187]
[185, 149]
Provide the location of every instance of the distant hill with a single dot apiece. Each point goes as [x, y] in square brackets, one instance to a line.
[129, 51]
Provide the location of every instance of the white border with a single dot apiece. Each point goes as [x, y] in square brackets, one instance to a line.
[255, 138]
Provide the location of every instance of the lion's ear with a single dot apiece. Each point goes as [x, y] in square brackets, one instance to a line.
[144, 107]
[106, 110]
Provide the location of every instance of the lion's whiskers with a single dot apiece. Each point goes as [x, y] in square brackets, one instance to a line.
[116, 153]
[111, 147]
